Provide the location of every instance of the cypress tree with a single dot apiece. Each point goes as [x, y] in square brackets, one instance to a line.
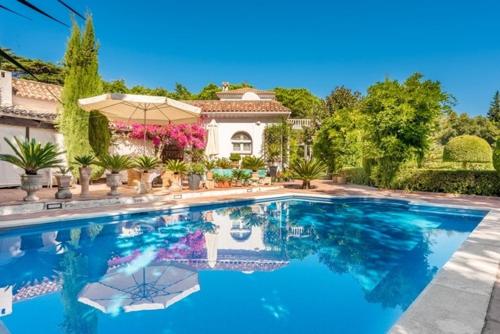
[82, 80]
[494, 111]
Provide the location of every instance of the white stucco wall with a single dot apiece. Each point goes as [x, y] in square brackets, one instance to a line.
[32, 104]
[254, 126]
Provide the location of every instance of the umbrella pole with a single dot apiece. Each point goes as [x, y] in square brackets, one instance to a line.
[144, 143]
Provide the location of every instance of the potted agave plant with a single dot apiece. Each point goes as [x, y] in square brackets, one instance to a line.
[115, 163]
[178, 168]
[238, 176]
[32, 156]
[254, 164]
[144, 164]
[84, 163]
[63, 179]
[307, 170]
[195, 172]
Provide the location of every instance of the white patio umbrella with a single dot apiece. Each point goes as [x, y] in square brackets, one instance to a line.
[141, 108]
[211, 246]
[151, 288]
[212, 147]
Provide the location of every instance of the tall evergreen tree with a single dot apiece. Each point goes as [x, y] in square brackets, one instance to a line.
[494, 111]
[81, 79]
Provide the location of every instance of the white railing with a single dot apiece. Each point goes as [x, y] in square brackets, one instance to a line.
[299, 123]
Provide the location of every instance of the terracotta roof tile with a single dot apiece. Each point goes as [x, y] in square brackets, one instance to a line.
[22, 112]
[36, 90]
[239, 106]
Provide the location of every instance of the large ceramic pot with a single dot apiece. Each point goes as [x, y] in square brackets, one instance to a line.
[63, 185]
[273, 171]
[145, 185]
[210, 175]
[113, 181]
[85, 174]
[194, 181]
[31, 184]
[176, 183]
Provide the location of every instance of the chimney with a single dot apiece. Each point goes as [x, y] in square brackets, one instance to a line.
[5, 88]
[225, 86]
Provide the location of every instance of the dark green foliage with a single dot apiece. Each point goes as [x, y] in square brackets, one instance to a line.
[81, 80]
[301, 102]
[208, 92]
[342, 98]
[223, 163]
[31, 155]
[176, 166]
[235, 157]
[307, 170]
[145, 163]
[355, 175]
[253, 163]
[453, 125]
[99, 133]
[399, 120]
[477, 182]
[45, 71]
[466, 149]
[496, 156]
[276, 142]
[85, 160]
[115, 162]
[494, 111]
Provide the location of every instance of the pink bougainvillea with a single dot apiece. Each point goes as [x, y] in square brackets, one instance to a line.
[184, 136]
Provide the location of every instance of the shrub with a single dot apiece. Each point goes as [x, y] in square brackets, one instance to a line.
[115, 162]
[196, 168]
[224, 163]
[210, 164]
[176, 166]
[356, 175]
[496, 156]
[85, 160]
[472, 182]
[31, 155]
[466, 149]
[235, 157]
[307, 170]
[253, 163]
[146, 163]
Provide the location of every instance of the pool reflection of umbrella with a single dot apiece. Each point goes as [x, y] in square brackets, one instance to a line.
[151, 288]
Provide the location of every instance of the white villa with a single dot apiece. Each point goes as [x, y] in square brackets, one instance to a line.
[29, 109]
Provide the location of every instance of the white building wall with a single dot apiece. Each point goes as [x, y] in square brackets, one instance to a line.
[254, 126]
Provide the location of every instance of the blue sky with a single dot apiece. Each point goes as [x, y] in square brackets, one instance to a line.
[313, 44]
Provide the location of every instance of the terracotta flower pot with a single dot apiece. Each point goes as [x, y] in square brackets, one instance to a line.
[210, 176]
[113, 181]
[63, 185]
[85, 173]
[31, 184]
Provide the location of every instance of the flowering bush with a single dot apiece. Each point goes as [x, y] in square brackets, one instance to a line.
[181, 135]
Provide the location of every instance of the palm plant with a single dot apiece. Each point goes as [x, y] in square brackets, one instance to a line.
[224, 163]
[31, 155]
[176, 166]
[238, 174]
[115, 162]
[253, 163]
[146, 163]
[85, 160]
[210, 164]
[307, 170]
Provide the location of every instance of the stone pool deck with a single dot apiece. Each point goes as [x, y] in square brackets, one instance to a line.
[462, 298]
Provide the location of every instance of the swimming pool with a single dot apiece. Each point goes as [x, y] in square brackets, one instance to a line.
[289, 265]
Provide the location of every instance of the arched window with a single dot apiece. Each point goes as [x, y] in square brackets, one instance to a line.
[242, 143]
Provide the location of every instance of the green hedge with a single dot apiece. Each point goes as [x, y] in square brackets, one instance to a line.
[356, 175]
[479, 182]
[496, 156]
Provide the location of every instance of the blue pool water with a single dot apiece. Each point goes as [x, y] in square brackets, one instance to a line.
[296, 265]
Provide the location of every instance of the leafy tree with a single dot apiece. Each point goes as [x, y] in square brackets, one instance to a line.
[276, 140]
[208, 92]
[399, 119]
[45, 71]
[454, 125]
[115, 86]
[81, 80]
[338, 143]
[181, 93]
[342, 98]
[301, 102]
[494, 111]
